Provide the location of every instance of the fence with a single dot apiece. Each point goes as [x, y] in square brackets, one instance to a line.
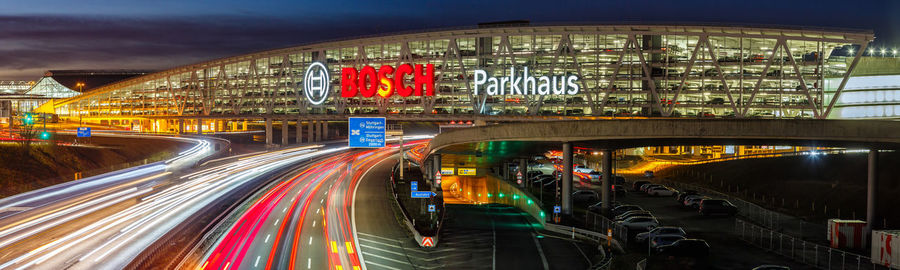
[819, 256]
[598, 237]
[762, 216]
[599, 223]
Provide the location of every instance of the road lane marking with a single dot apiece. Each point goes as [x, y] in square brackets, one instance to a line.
[379, 237]
[257, 262]
[384, 258]
[308, 263]
[382, 266]
[310, 241]
[314, 223]
[276, 222]
[267, 238]
[540, 251]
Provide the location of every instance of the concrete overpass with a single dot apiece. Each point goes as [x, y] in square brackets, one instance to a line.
[496, 143]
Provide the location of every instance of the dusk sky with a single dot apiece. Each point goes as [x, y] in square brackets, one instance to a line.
[38, 35]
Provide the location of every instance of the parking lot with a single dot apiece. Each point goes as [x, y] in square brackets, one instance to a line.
[726, 250]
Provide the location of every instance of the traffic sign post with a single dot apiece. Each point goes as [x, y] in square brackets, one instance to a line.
[366, 132]
[437, 178]
[431, 208]
[427, 242]
[414, 185]
[519, 178]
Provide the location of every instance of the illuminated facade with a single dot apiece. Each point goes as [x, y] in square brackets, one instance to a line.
[610, 70]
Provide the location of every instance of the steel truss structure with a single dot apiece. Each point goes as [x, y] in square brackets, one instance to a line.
[623, 70]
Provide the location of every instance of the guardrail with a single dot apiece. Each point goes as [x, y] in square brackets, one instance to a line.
[600, 223]
[819, 256]
[603, 264]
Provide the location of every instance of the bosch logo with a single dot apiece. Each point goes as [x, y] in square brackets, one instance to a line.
[316, 83]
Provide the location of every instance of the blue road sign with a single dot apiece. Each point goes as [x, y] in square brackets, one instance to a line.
[422, 194]
[431, 208]
[366, 132]
[557, 209]
[414, 185]
[84, 132]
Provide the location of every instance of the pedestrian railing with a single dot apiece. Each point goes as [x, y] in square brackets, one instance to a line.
[818, 256]
[599, 223]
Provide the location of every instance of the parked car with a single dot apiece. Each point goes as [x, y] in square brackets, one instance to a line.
[660, 191]
[639, 223]
[585, 196]
[637, 185]
[693, 201]
[633, 213]
[646, 187]
[716, 206]
[598, 207]
[686, 248]
[684, 193]
[664, 240]
[666, 230]
[624, 208]
[617, 189]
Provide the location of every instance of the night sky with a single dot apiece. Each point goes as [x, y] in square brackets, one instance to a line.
[38, 35]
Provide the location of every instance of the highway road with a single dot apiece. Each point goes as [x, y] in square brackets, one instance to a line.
[303, 222]
[104, 222]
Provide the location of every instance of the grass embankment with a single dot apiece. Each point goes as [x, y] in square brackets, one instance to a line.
[23, 170]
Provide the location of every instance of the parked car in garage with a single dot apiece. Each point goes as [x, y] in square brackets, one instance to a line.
[646, 187]
[598, 207]
[684, 193]
[717, 206]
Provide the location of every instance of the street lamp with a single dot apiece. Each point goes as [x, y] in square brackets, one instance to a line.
[80, 86]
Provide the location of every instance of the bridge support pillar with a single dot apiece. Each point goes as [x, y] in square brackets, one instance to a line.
[234, 126]
[200, 126]
[316, 131]
[871, 192]
[320, 133]
[567, 179]
[299, 138]
[244, 128]
[325, 135]
[606, 180]
[284, 132]
[309, 131]
[268, 132]
[523, 169]
[180, 126]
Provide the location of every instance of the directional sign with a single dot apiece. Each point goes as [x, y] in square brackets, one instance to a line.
[366, 132]
[84, 132]
[431, 208]
[414, 185]
[422, 194]
[427, 242]
[446, 171]
[557, 209]
[466, 171]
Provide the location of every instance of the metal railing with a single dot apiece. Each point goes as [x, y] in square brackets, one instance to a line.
[818, 256]
[598, 237]
[599, 223]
